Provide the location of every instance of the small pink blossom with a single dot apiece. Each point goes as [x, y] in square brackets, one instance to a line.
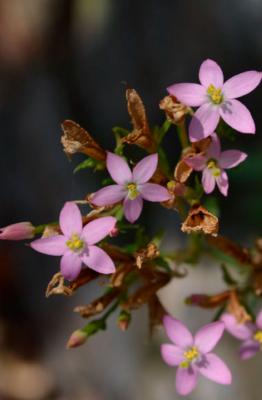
[192, 354]
[213, 164]
[250, 333]
[217, 99]
[18, 231]
[76, 244]
[131, 187]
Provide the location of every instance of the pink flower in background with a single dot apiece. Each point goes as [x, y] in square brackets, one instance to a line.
[18, 231]
[217, 99]
[131, 186]
[250, 333]
[192, 354]
[76, 244]
[213, 164]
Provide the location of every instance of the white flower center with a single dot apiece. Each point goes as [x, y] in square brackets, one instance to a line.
[213, 167]
[215, 94]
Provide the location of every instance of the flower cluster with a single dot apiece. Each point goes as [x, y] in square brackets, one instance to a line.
[135, 271]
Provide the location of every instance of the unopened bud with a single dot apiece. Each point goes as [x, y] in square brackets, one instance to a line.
[123, 321]
[114, 232]
[19, 231]
[76, 339]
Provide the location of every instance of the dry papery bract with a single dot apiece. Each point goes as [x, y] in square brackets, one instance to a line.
[141, 134]
[77, 140]
[174, 110]
[201, 220]
[235, 308]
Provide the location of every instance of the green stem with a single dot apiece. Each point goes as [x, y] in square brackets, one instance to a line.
[182, 134]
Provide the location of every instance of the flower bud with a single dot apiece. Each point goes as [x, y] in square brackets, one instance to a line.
[123, 320]
[76, 339]
[19, 231]
[114, 232]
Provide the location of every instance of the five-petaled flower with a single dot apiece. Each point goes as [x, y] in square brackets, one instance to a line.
[250, 333]
[213, 164]
[131, 186]
[76, 244]
[217, 99]
[192, 354]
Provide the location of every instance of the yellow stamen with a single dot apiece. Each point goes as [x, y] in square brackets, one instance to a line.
[215, 94]
[212, 165]
[258, 337]
[132, 191]
[190, 355]
[184, 364]
[75, 243]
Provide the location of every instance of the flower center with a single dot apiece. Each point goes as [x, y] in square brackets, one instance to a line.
[190, 355]
[75, 243]
[212, 165]
[132, 191]
[258, 337]
[215, 95]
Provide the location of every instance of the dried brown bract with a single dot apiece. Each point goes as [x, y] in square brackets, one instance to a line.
[200, 220]
[182, 171]
[117, 279]
[77, 140]
[156, 313]
[98, 305]
[57, 284]
[141, 134]
[206, 301]
[148, 253]
[232, 249]
[235, 308]
[175, 111]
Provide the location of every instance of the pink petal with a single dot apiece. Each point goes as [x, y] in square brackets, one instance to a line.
[248, 349]
[231, 158]
[208, 336]
[222, 183]
[133, 209]
[208, 181]
[186, 380]
[198, 162]
[109, 195]
[215, 369]
[172, 355]
[177, 332]
[214, 148]
[191, 94]
[236, 115]
[70, 219]
[53, 246]
[240, 331]
[97, 259]
[118, 169]
[259, 320]
[70, 265]
[241, 84]
[145, 169]
[211, 73]
[154, 192]
[204, 122]
[98, 229]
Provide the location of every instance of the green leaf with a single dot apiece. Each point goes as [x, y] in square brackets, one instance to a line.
[224, 131]
[163, 161]
[117, 130]
[211, 204]
[159, 132]
[227, 276]
[90, 163]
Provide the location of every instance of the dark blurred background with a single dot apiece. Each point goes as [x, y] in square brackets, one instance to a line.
[73, 59]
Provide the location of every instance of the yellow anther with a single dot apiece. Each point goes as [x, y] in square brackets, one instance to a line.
[212, 165]
[184, 364]
[258, 336]
[191, 354]
[132, 191]
[215, 94]
[75, 243]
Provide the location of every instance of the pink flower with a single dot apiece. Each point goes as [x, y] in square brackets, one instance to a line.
[76, 244]
[213, 165]
[131, 186]
[192, 354]
[250, 333]
[217, 99]
[19, 231]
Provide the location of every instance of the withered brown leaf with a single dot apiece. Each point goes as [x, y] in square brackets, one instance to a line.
[175, 111]
[57, 284]
[200, 219]
[230, 248]
[98, 305]
[235, 308]
[76, 139]
[148, 253]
